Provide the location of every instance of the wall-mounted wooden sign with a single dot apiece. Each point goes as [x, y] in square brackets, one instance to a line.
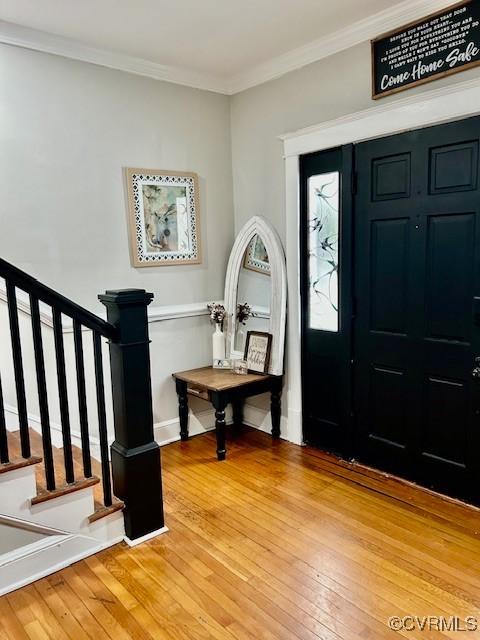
[441, 44]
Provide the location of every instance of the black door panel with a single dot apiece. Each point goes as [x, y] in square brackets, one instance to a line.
[394, 386]
[416, 275]
[326, 355]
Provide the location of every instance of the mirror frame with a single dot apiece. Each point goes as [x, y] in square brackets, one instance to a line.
[278, 290]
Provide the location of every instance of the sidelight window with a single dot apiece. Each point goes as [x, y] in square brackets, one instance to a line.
[323, 250]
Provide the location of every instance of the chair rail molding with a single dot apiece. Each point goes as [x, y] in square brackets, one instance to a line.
[155, 314]
[278, 290]
[455, 101]
[175, 311]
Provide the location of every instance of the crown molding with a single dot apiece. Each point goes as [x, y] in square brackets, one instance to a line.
[356, 33]
[26, 38]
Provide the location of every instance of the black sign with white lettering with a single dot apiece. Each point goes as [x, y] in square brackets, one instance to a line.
[443, 43]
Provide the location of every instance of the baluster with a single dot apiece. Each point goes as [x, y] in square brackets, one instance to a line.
[18, 369]
[82, 398]
[42, 393]
[3, 431]
[63, 396]
[102, 420]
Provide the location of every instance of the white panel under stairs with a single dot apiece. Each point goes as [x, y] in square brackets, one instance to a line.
[61, 527]
[13, 536]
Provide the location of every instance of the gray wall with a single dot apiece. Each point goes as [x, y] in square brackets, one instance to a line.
[325, 90]
[67, 129]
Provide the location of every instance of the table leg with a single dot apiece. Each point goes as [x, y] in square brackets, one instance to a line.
[276, 409]
[237, 408]
[182, 408]
[219, 405]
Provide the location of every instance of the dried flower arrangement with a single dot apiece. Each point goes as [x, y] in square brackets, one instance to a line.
[244, 312]
[217, 313]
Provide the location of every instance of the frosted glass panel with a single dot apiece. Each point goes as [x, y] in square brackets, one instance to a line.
[323, 215]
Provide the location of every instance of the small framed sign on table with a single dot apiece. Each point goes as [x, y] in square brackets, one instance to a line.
[440, 44]
[257, 351]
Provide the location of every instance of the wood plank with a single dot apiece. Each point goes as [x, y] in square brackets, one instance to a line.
[278, 542]
[19, 463]
[210, 379]
[101, 511]
[78, 485]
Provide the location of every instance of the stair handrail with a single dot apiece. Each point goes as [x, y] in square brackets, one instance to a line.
[135, 455]
[52, 298]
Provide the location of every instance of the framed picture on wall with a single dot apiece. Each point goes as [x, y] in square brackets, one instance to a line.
[257, 351]
[164, 217]
[256, 256]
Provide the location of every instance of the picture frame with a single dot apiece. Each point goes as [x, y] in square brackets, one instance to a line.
[164, 216]
[222, 364]
[258, 347]
[256, 256]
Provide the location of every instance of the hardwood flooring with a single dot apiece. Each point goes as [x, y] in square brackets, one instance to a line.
[278, 542]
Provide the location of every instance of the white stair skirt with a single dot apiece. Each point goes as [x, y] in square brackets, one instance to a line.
[55, 533]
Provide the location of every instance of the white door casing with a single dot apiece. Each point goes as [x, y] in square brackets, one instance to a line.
[453, 102]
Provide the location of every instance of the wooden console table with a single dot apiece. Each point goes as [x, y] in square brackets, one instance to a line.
[221, 388]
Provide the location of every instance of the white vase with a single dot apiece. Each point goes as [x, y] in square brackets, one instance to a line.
[218, 343]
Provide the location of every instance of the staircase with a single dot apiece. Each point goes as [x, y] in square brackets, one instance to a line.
[81, 482]
[71, 503]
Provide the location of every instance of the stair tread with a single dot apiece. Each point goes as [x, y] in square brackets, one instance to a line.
[19, 463]
[101, 511]
[43, 495]
[60, 480]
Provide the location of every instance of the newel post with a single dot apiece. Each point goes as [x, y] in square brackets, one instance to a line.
[136, 468]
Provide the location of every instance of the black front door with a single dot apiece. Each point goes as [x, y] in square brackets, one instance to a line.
[416, 317]
[417, 272]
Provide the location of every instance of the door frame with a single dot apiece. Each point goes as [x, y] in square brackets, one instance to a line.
[426, 108]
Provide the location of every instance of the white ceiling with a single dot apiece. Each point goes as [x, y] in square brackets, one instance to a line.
[224, 39]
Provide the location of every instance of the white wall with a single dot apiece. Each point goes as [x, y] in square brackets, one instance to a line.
[67, 129]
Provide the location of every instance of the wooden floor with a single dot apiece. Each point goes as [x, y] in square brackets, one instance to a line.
[277, 542]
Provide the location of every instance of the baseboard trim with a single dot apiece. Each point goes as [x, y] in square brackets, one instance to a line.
[145, 538]
[200, 422]
[261, 419]
[169, 431]
[165, 432]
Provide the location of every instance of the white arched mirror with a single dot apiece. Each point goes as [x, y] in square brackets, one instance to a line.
[256, 276]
